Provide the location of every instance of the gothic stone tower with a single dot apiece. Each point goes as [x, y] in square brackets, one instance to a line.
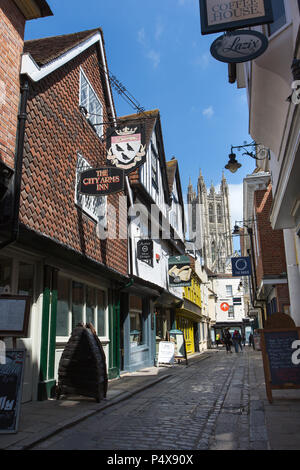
[210, 223]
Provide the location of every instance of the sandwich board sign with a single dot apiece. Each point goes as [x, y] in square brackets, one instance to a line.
[166, 353]
[11, 382]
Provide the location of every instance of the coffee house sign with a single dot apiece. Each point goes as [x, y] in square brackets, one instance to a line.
[224, 15]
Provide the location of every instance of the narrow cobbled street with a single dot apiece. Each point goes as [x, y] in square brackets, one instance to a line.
[208, 405]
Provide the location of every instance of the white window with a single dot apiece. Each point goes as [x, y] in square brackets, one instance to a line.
[94, 206]
[91, 104]
[231, 312]
[80, 303]
[229, 291]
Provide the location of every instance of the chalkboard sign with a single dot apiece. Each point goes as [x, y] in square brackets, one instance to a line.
[11, 381]
[177, 337]
[278, 351]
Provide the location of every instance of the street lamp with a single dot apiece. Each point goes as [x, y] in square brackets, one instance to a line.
[261, 153]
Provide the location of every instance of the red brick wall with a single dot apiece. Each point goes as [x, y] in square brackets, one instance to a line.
[12, 24]
[55, 132]
[271, 260]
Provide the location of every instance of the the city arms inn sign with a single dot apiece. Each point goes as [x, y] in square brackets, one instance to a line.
[223, 15]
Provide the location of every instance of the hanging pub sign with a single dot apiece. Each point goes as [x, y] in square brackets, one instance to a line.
[101, 181]
[239, 46]
[145, 251]
[241, 266]
[179, 271]
[224, 15]
[125, 146]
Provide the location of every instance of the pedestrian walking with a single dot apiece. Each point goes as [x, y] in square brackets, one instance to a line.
[244, 339]
[251, 340]
[217, 340]
[227, 341]
[236, 339]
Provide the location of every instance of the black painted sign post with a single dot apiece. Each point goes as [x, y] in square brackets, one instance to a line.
[280, 340]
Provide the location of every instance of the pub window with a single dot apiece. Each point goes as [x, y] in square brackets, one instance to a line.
[91, 104]
[80, 303]
[278, 15]
[95, 207]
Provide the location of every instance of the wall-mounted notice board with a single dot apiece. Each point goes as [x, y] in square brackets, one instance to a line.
[14, 315]
[280, 343]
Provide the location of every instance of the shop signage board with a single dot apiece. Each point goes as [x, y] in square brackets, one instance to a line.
[177, 337]
[224, 306]
[101, 181]
[126, 146]
[11, 382]
[145, 251]
[280, 348]
[179, 271]
[14, 315]
[224, 15]
[241, 266]
[166, 352]
[239, 46]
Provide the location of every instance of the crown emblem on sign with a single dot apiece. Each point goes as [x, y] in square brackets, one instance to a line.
[126, 131]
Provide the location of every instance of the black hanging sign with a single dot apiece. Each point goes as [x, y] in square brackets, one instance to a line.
[126, 147]
[101, 181]
[11, 382]
[224, 15]
[239, 46]
[145, 251]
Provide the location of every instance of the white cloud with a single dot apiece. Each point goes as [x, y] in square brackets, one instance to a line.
[159, 29]
[208, 112]
[154, 57]
[141, 36]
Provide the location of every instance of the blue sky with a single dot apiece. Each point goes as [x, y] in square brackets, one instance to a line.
[155, 48]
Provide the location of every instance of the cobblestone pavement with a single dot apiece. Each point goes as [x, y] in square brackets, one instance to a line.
[206, 405]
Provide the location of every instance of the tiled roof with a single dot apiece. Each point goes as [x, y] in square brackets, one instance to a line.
[45, 50]
[148, 117]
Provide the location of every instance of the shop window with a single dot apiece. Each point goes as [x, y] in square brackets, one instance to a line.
[91, 104]
[5, 274]
[101, 309]
[80, 303]
[77, 303]
[278, 15]
[136, 320]
[95, 207]
[26, 275]
[62, 317]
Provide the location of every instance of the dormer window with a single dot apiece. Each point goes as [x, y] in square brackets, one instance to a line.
[90, 104]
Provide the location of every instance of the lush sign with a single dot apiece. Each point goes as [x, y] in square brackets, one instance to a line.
[223, 15]
[239, 46]
[101, 181]
[241, 266]
[145, 251]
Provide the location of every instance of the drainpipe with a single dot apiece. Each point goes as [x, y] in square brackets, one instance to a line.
[22, 117]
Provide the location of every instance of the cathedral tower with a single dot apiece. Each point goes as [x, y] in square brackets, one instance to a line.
[210, 223]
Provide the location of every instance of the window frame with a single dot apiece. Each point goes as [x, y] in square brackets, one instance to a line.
[271, 34]
[64, 338]
[154, 168]
[90, 116]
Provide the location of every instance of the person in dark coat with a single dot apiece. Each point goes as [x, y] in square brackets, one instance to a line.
[227, 341]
